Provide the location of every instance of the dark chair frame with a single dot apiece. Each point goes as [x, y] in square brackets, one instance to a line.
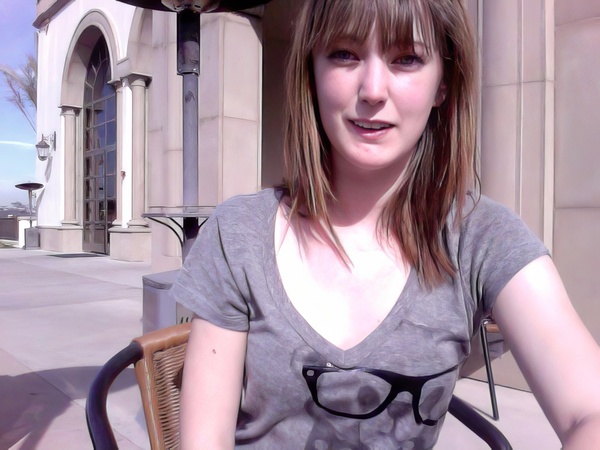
[489, 326]
[103, 437]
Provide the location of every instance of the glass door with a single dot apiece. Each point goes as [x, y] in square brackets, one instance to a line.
[100, 153]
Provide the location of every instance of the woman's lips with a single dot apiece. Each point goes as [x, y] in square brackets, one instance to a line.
[370, 128]
[369, 125]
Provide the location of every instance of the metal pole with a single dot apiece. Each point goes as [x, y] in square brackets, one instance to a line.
[30, 192]
[188, 66]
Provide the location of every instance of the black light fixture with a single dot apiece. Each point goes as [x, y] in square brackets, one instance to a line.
[45, 146]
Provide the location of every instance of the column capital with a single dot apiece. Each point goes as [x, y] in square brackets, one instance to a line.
[117, 83]
[68, 110]
[136, 79]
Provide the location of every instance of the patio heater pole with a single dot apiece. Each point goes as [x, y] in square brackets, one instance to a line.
[32, 235]
[188, 66]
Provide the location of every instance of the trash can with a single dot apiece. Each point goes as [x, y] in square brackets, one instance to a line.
[159, 309]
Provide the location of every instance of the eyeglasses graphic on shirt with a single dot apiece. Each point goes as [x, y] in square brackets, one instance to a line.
[376, 390]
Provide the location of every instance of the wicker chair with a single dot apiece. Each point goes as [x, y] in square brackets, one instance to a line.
[158, 359]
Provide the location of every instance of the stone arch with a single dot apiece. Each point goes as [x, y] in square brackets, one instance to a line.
[92, 27]
[139, 44]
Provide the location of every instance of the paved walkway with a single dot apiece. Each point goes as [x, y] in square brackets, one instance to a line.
[62, 318]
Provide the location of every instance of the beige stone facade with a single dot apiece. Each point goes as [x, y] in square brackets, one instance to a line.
[539, 128]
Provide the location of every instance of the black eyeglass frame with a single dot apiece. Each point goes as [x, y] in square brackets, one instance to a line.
[399, 383]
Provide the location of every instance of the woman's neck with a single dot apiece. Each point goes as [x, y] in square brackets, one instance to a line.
[356, 210]
[360, 200]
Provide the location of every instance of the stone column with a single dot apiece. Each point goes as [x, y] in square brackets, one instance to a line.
[69, 114]
[133, 241]
[138, 84]
[118, 222]
[230, 106]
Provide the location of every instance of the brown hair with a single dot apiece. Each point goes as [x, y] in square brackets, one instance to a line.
[441, 170]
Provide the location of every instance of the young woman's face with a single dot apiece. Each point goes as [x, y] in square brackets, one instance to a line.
[374, 105]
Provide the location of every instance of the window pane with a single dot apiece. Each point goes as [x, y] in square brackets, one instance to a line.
[89, 216]
[111, 133]
[111, 212]
[99, 109]
[111, 107]
[89, 188]
[87, 233]
[88, 166]
[99, 234]
[101, 136]
[110, 187]
[100, 183]
[107, 89]
[111, 162]
[101, 211]
[99, 165]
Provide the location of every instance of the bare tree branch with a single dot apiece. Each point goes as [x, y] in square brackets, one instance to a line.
[22, 83]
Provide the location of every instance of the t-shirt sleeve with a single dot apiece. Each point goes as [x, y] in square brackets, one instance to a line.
[495, 245]
[206, 284]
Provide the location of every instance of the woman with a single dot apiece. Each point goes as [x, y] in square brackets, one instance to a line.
[335, 312]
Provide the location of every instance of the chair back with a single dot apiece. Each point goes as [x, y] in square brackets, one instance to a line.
[159, 374]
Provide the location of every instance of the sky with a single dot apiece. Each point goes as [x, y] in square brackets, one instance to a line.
[17, 138]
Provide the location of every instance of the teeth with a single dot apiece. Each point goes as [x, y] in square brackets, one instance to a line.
[372, 126]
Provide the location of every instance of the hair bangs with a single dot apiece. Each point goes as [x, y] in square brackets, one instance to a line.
[402, 23]
[398, 23]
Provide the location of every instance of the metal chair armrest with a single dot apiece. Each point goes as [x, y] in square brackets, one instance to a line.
[469, 417]
[99, 427]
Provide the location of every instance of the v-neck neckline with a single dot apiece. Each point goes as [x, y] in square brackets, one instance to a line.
[334, 354]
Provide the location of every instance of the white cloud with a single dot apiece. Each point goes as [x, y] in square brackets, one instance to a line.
[27, 145]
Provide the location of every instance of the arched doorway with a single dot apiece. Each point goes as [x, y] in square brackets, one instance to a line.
[99, 152]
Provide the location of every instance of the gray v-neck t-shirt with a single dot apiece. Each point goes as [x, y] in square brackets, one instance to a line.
[231, 279]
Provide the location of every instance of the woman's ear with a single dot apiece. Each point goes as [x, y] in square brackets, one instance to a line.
[440, 96]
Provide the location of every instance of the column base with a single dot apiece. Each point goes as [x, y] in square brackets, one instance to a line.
[137, 223]
[63, 239]
[130, 244]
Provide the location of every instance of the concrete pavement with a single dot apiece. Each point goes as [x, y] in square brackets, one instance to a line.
[61, 319]
[63, 316]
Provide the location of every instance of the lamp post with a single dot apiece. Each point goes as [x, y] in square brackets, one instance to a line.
[188, 66]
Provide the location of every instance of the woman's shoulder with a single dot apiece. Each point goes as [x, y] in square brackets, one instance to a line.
[487, 224]
[480, 211]
[249, 207]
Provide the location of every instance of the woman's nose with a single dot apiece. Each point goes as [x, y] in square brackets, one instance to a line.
[373, 84]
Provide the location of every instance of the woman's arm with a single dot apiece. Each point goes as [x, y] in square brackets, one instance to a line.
[557, 355]
[212, 386]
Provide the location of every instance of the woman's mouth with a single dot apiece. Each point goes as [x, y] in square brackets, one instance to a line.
[375, 126]
[371, 126]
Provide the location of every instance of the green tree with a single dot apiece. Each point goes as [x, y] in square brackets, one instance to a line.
[22, 83]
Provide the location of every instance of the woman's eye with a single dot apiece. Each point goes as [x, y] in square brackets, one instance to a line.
[409, 60]
[342, 55]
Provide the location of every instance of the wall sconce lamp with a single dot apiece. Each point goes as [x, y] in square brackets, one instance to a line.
[45, 146]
